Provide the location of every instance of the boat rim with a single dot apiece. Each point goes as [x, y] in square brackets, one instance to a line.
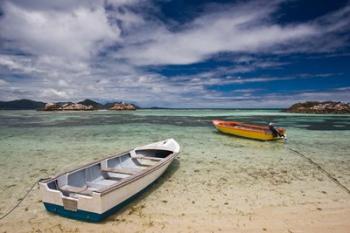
[243, 126]
[125, 181]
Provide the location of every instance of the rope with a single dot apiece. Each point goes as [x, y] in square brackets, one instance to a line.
[21, 200]
[332, 178]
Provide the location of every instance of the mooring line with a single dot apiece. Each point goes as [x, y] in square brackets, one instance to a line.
[335, 180]
[21, 200]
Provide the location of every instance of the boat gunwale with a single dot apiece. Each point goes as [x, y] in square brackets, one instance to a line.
[124, 181]
[244, 127]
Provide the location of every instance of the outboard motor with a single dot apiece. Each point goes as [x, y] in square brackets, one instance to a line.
[274, 131]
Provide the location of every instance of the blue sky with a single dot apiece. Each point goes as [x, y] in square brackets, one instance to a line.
[176, 53]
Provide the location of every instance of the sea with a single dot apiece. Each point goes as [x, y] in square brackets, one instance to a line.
[213, 171]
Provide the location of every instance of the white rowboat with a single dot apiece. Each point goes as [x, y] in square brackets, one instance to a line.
[95, 191]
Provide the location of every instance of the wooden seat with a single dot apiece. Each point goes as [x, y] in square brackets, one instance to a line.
[73, 189]
[143, 165]
[148, 158]
[127, 171]
[78, 190]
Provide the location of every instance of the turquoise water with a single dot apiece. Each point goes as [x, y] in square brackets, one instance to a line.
[40, 144]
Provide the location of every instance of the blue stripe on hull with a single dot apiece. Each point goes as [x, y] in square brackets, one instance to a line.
[86, 215]
[79, 214]
[91, 216]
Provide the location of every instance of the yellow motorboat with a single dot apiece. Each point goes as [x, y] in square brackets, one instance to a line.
[258, 132]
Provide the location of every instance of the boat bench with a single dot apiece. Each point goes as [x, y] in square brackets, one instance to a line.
[96, 185]
[147, 158]
[76, 190]
[73, 189]
[126, 171]
[101, 184]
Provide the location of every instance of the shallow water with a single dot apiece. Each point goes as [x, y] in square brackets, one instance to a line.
[214, 172]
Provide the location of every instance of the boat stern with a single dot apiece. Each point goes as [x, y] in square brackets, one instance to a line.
[80, 207]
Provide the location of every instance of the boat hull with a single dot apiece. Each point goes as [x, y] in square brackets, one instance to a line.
[262, 135]
[79, 214]
[99, 205]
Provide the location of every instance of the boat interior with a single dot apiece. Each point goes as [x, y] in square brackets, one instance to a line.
[101, 175]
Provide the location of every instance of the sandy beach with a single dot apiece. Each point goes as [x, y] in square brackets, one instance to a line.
[218, 184]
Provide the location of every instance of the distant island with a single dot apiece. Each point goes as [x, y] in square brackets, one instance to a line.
[90, 105]
[320, 107]
[86, 105]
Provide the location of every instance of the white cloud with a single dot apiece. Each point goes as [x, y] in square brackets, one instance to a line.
[16, 63]
[3, 82]
[65, 39]
[53, 93]
[72, 34]
[239, 28]
[63, 83]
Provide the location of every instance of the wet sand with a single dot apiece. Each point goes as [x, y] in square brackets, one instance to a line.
[274, 202]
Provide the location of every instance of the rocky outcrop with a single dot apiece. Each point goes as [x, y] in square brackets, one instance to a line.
[77, 107]
[320, 107]
[52, 107]
[122, 106]
[88, 102]
[85, 105]
[68, 107]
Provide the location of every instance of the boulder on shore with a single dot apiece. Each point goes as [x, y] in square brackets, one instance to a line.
[52, 107]
[320, 107]
[67, 107]
[77, 107]
[95, 104]
[122, 106]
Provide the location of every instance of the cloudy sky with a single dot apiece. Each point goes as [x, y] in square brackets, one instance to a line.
[177, 53]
